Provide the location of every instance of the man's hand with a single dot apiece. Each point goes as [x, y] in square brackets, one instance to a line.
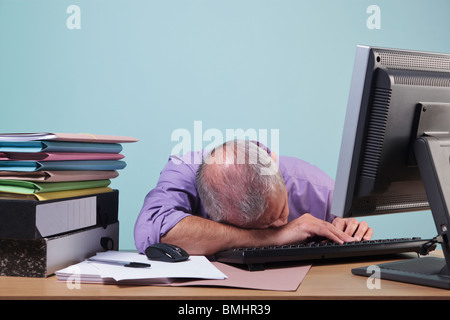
[307, 228]
[351, 227]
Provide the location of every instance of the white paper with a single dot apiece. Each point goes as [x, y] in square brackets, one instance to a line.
[195, 267]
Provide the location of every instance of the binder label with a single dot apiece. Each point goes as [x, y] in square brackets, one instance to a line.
[63, 216]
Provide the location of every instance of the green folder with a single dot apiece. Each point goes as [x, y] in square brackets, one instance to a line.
[28, 187]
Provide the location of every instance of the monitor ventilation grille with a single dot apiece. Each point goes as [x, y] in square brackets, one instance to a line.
[425, 79]
[413, 60]
[375, 132]
[390, 204]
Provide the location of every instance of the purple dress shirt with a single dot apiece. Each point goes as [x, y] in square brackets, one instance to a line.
[175, 197]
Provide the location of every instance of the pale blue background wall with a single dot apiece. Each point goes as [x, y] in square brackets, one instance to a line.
[146, 68]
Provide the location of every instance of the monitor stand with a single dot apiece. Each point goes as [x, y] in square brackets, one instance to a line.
[432, 153]
[426, 271]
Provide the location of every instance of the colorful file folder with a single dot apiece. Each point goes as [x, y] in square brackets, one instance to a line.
[78, 137]
[28, 187]
[59, 176]
[60, 156]
[29, 166]
[44, 196]
[58, 146]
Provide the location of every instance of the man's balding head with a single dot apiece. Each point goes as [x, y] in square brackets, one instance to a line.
[239, 183]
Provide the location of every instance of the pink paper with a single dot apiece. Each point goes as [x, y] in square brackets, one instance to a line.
[286, 278]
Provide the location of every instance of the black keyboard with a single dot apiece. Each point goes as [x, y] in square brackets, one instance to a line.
[255, 258]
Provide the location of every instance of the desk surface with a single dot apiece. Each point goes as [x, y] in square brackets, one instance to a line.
[331, 281]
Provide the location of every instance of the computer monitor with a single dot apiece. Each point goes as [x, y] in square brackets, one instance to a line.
[395, 150]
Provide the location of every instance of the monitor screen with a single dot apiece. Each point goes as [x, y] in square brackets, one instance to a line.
[377, 169]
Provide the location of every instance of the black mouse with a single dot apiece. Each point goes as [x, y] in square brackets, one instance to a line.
[166, 252]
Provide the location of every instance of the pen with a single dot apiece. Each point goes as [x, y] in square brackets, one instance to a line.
[130, 264]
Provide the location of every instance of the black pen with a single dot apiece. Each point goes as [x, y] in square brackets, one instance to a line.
[129, 264]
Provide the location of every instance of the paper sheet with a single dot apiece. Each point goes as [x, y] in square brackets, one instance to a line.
[197, 267]
[197, 271]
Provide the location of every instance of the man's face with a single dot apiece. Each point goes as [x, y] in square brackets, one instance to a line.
[276, 214]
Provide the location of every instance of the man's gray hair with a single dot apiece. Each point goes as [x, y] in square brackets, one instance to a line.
[233, 183]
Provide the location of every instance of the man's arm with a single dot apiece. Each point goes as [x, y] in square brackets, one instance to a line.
[173, 199]
[200, 236]
[205, 237]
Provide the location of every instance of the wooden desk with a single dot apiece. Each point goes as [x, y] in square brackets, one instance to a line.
[332, 281]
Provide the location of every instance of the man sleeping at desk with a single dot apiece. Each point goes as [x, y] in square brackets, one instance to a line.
[241, 195]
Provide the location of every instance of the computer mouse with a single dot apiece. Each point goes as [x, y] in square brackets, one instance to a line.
[166, 252]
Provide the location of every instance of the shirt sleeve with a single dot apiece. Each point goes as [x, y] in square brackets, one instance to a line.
[173, 198]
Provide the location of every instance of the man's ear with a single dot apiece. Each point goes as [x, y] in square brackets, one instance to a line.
[273, 155]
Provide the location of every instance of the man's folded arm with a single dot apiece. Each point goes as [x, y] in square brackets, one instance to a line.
[201, 236]
[173, 199]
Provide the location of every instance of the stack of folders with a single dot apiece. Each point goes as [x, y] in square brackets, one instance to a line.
[56, 204]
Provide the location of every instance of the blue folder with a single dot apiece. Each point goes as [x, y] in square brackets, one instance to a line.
[30, 166]
[58, 146]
